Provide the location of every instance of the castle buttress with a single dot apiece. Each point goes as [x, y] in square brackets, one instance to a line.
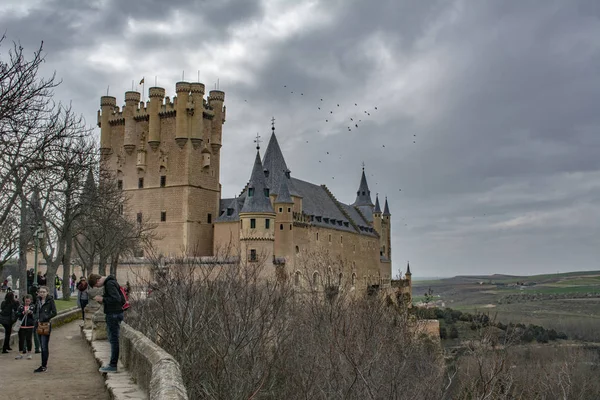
[166, 156]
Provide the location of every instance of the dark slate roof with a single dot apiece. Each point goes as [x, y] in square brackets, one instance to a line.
[377, 207]
[367, 211]
[386, 209]
[231, 212]
[325, 212]
[363, 195]
[283, 194]
[275, 167]
[260, 201]
[408, 269]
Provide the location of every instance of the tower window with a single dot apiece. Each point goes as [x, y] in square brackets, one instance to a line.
[317, 235]
[140, 183]
[253, 256]
[252, 223]
[163, 181]
[267, 223]
[280, 209]
[363, 193]
[341, 239]
[120, 209]
[297, 249]
[289, 209]
[329, 238]
[163, 216]
[266, 190]
[297, 278]
[209, 218]
[120, 184]
[250, 192]
[280, 227]
[290, 227]
[139, 218]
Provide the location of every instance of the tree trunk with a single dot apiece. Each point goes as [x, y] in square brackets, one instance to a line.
[102, 265]
[114, 262]
[66, 288]
[24, 236]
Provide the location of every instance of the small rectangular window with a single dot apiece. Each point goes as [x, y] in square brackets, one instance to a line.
[252, 223]
[289, 209]
[163, 181]
[341, 239]
[209, 218]
[267, 223]
[253, 255]
[120, 184]
[163, 216]
[317, 235]
[140, 183]
[280, 227]
[139, 218]
[329, 238]
[120, 209]
[280, 209]
[250, 192]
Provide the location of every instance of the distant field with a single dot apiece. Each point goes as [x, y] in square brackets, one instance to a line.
[568, 302]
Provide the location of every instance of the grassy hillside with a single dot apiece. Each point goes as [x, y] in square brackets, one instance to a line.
[568, 302]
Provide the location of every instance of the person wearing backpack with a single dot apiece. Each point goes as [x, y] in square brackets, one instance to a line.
[113, 301]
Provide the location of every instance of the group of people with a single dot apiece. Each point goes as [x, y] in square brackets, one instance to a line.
[34, 318]
[38, 308]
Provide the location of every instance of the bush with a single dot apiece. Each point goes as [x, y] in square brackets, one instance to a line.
[453, 332]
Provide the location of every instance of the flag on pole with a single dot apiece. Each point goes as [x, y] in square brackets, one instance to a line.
[142, 81]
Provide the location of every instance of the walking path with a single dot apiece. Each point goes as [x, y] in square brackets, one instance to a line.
[72, 370]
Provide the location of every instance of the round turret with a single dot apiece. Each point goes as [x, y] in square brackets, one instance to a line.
[197, 87]
[132, 97]
[108, 104]
[156, 96]
[182, 87]
[156, 92]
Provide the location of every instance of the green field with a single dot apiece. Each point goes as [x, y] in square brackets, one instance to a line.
[568, 302]
[65, 304]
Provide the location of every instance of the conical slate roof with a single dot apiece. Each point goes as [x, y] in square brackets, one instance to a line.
[232, 212]
[283, 195]
[386, 209]
[377, 207]
[275, 167]
[257, 193]
[363, 195]
[408, 269]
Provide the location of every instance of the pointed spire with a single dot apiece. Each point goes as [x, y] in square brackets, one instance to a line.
[386, 208]
[275, 168]
[408, 268]
[257, 193]
[283, 195]
[363, 195]
[377, 207]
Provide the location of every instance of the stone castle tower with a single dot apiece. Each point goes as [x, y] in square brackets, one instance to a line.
[166, 156]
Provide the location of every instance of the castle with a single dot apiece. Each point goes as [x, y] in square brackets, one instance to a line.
[166, 156]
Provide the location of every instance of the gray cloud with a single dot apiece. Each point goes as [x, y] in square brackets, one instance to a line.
[504, 175]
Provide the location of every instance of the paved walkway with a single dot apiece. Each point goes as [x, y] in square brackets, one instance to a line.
[72, 370]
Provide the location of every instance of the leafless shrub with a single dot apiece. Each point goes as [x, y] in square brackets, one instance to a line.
[238, 335]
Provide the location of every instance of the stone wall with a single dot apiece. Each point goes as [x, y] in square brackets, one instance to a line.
[154, 370]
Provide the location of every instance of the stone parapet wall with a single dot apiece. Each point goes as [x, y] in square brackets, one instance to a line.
[154, 370]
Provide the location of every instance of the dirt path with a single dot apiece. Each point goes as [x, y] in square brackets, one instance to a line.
[72, 370]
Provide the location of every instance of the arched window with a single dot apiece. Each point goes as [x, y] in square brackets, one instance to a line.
[297, 278]
[353, 278]
[340, 276]
[297, 249]
[280, 227]
[315, 279]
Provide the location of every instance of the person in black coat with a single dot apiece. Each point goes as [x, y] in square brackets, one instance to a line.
[46, 310]
[8, 310]
[25, 314]
[113, 301]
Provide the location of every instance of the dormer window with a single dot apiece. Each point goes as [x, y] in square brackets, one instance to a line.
[229, 211]
[326, 220]
[318, 219]
[250, 192]
[287, 174]
[339, 223]
[363, 193]
[266, 192]
[266, 171]
[346, 224]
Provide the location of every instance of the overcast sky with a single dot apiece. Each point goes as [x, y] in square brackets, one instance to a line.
[486, 134]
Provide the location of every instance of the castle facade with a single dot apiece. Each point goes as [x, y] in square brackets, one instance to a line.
[165, 154]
